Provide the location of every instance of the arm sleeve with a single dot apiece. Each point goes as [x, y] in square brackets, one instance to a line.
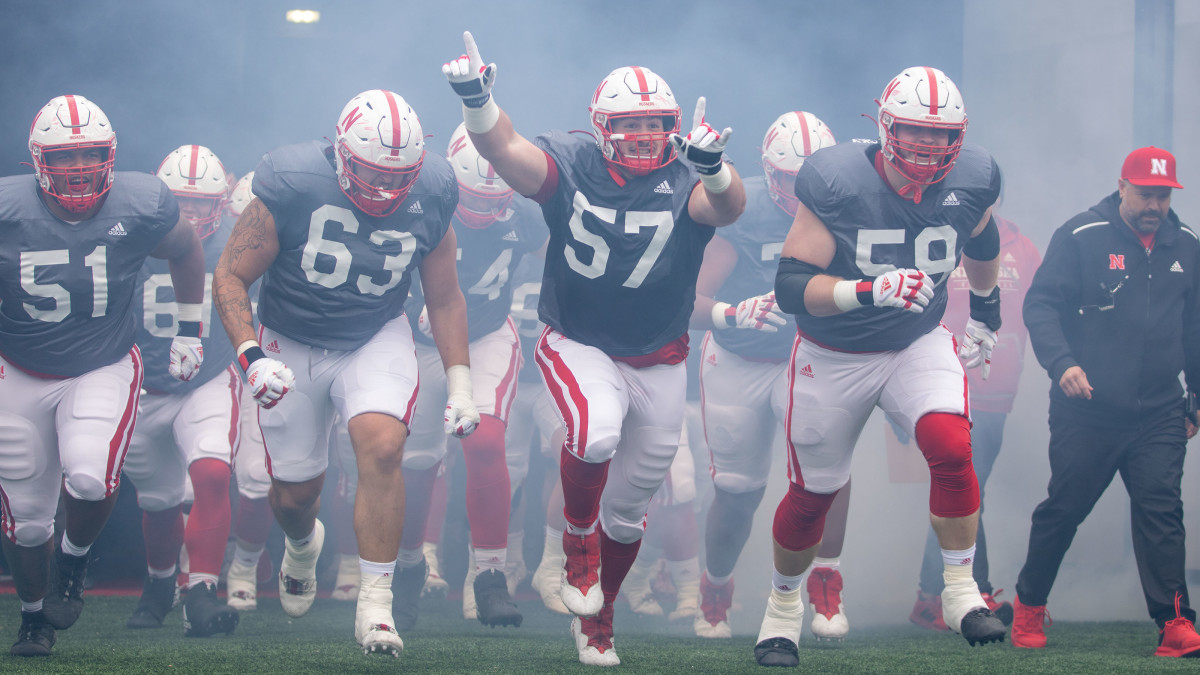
[1053, 293]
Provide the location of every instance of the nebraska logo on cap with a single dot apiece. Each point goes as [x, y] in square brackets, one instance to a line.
[1150, 166]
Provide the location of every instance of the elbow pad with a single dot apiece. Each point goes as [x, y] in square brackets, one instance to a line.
[790, 281]
[986, 244]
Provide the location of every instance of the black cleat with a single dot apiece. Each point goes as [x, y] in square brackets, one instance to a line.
[406, 595]
[492, 601]
[204, 615]
[64, 602]
[158, 597]
[35, 637]
[777, 651]
[981, 626]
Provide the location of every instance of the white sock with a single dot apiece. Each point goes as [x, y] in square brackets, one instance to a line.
[490, 559]
[407, 558]
[195, 578]
[828, 563]
[71, 549]
[580, 531]
[718, 581]
[786, 584]
[35, 606]
[246, 558]
[160, 574]
[367, 569]
[956, 558]
[303, 541]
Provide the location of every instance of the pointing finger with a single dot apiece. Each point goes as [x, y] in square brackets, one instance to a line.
[472, 50]
[698, 117]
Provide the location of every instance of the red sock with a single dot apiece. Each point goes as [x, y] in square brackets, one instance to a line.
[615, 560]
[208, 523]
[254, 519]
[418, 486]
[163, 532]
[487, 484]
[437, 510]
[682, 537]
[582, 482]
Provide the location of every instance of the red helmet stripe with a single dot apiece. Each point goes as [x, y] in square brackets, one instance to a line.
[804, 133]
[73, 110]
[933, 91]
[491, 174]
[458, 144]
[195, 162]
[395, 117]
[643, 85]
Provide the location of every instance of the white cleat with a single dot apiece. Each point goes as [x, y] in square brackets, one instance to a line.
[829, 620]
[435, 586]
[593, 639]
[718, 630]
[779, 634]
[514, 573]
[345, 588]
[637, 590]
[547, 581]
[470, 610]
[580, 590]
[298, 574]
[687, 592]
[374, 629]
[241, 587]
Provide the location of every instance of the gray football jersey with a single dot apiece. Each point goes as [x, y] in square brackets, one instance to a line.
[342, 274]
[877, 231]
[67, 290]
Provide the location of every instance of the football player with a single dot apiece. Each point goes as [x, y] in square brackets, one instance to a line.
[338, 228]
[878, 229]
[72, 243]
[186, 429]
[744, 376]
[628, 226]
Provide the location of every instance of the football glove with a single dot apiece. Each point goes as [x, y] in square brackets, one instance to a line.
[187, 354]
[468, 77]
[910, 290]
[703, 145]
[757, 313]
[977, 345]
[461, 415]
[269, 380]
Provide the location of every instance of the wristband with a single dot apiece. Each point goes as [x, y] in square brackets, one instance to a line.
[719, 318]
[458, 380]
[189, 329]
[189, 311]
[852, 294]
[248, 352]
[719, 181]
[482, 119]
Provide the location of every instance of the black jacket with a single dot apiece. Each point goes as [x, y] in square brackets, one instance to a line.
[1128, 317]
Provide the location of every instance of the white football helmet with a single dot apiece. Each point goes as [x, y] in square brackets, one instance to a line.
[240, 198]
[921, 97]
[483, 196]
[789, 141]
[379, 149]
[73, 123]
[198, 180]
[635, 92]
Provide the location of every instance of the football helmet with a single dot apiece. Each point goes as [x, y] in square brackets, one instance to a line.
[921, 97]
[379, 148]
[240, 198]
[198, 180]
[73, 123]
[789, 141]
[634, 92]
[483, 196]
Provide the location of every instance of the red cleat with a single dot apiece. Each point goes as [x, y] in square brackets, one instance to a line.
[1178, 637]
[1029, 622]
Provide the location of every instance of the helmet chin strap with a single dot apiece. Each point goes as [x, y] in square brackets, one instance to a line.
[911, 191]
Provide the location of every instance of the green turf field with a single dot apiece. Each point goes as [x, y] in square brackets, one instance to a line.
[322, 642]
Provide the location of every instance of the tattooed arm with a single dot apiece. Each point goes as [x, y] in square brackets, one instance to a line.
[251, 249]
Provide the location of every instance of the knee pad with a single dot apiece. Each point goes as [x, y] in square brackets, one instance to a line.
[599, 445]
[22, 454]
[800, 518]
[87, 488]
[32, 534]
[945, 440]
[623, 521]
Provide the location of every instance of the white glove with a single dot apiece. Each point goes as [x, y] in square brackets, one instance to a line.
[977, 345]
[757, 313]
[269, 380]
[423, 322]
[461, 416]
[468, 77]
[910, 290]
[703, 145]
[186, 356]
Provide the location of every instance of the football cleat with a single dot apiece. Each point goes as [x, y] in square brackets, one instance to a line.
[1029, 625]
[687, 590]
[64, 601]
[712, 621]
[407, 602]
[35, 637]
[927, 611]
[594, 638]
[204, 615]
[981, 626]
[345, 587]
[493, 602]
[547, 581]
[298, 574]
[580, 589]
[374, 629]
[514, 573]
[637, 589]
[470, 609]
[241, 586]
[158, 597]
[779, 634]
[1002, 609]
[1178, 636]
[825, 597]
[435, 585]
[965, 611]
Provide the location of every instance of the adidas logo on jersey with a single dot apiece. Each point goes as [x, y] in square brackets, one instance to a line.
[117, 230]
[950, 200]
[272, 346]
[664, 188]
[1009, 258]
[807, 371]
[510, 236]
[416, 208]
[1176, 267]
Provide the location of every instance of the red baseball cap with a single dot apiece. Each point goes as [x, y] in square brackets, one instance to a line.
[1150, 166]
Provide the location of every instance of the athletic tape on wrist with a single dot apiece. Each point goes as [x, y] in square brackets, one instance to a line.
[718, 315]
[189, 311]
[248, 352]
[481, 120]
[846, 295]
[458, 380]
[719, 181]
